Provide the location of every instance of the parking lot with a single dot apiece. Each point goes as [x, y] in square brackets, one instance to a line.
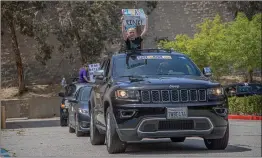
[47, 138]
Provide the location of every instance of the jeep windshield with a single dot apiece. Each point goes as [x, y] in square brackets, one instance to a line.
[155, 65]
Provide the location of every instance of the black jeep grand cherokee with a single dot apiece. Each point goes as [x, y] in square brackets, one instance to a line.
[154, 93]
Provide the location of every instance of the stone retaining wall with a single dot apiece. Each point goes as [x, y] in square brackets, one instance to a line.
[38, 107]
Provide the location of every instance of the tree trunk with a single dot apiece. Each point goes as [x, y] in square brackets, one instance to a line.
[250, 75]
[18, 60]
[80, 46]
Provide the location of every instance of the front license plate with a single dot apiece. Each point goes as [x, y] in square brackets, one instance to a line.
[177, 113]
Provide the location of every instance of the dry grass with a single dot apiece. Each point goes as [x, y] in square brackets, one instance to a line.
[8, 92]
[33, 91]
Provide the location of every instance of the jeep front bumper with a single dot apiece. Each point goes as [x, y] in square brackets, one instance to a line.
[151, 122]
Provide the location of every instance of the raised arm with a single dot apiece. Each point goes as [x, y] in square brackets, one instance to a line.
[85, 76]
[145, 28]
[123, 29]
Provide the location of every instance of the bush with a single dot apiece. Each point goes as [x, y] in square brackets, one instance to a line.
[224, 46]
[250, 105]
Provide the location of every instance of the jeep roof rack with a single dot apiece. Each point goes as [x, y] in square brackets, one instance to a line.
[146, 51]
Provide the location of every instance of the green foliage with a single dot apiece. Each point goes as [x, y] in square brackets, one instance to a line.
[243, 43]
[205, 44]
[223, 46]
[88, 25]
[245, 105]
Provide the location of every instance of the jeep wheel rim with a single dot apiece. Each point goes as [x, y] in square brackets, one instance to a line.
[108, 133]
[91, 127]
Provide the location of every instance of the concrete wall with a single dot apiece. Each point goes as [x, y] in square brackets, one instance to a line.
[171, 18]
[38, 107]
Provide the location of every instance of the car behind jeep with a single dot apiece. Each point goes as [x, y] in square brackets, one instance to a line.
[155, 93]
[69, 92]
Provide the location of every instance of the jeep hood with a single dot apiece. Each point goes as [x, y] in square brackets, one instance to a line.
[165, 82]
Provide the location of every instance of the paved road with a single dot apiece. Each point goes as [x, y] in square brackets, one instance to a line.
[245, 140]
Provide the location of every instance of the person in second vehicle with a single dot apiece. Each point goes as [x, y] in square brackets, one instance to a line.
[83, 74]
[132, 40]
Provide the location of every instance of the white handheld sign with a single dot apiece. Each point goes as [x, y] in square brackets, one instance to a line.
[133, 18]
[91, 69]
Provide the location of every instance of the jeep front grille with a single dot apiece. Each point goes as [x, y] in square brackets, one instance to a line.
[168, 96]
[176, 125]
[145, 96]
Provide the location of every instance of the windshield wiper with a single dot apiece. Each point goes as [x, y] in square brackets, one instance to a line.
[135, 76]
[164, 74]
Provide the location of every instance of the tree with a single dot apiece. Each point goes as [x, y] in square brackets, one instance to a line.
[242, 45]
[20, 15]
[223, 46]
[88, 25]
[203, 48]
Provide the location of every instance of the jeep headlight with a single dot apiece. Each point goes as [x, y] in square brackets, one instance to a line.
[216, 91]
[127, 94]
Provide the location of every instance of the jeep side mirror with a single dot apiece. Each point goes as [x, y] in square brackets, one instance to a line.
[207, 71]
[99, 75]
[61, 94]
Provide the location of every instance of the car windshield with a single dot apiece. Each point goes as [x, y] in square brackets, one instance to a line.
[86, 94]
[155, 65]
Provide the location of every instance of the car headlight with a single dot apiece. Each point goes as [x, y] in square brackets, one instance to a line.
[215, 91]
[83, 111]
[127, 94]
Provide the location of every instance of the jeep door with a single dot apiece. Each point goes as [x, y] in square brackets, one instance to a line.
[100, 90]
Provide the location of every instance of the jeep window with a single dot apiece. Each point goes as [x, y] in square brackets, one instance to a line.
[107, 66]
[158, 65]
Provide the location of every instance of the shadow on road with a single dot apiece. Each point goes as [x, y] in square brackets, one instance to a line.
[32, 124]
[190, 146]
[36, 124]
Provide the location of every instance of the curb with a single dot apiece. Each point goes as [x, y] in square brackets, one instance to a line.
[31, 120]
[244, 117]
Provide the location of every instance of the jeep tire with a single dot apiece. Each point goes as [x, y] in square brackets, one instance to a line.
[95, 137]
[113, 143]
[218, 144]
[78, 133]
